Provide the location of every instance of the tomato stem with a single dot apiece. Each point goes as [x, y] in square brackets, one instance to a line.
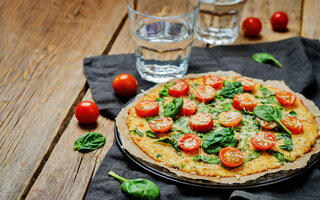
[111, 173]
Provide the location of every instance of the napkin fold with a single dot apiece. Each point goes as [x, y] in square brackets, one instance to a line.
[301, 72]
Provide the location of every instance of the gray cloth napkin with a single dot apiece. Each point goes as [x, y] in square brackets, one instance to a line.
[301, 60]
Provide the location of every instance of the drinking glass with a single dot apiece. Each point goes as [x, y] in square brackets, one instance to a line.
[163, 32]
[219, 20]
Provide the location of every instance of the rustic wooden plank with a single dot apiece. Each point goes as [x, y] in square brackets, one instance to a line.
[43, 44]
[264, 10]
[67, 173]
[310, 19]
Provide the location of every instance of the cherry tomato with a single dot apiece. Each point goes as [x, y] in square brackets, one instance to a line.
[180, 88]
[230, 118]
[201, 122]
[204, 93]
[279, 21]
[147, 108]
[213, 81]
[251, 27]
[189, 142]
[87, 112]
[293, 124]
[286, 98]
[125, 85]
[248, 84]
[161, 125]
[263, 140]
[189, 107]
[244, 101]
[267, 125]
[231, 157]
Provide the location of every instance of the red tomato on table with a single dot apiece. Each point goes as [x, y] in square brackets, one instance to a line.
[263, 140]
[189, 107]
[201, 122]
[147, 108]
[279, 21]
[231, 156]
[213, 81]
[161, 125]
[244, 101]
[251, 27]
[125, 85]
[204, 93]
[293, 124]
[286, 98]
[189, 142]
[180, 88]
[230, 118]
[87, 112]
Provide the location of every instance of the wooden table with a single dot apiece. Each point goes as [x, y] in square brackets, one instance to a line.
[43, 43]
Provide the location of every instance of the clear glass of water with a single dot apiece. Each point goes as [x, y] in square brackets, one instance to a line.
[218, 21]
[163, 32]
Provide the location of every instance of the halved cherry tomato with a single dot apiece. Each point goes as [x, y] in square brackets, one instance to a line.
[147, 108]
[248, 84]
[189, 107]
[293, 124]
[230, 118]
[286, 98]
[267, 125]
[189, 142]
[204, 93]
[231, 157]
[180, 88]
[214, 81]
[201, 122]
[87, 112]
[244, 101]
[263, 140]
[161, 125]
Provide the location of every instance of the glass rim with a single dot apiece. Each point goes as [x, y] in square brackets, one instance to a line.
[155, 17]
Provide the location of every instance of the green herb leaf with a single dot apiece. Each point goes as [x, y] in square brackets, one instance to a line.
[165, 91]
[254, 154]
[149, 119]
[89, 142]
[138, 188]
[288, 144]
[172, 108]
[293, 113]
[265, 92]
[214, 142]
[265, 58]
[207, 159]
[151, 134]
[278, 155]
[158, 155]
[160, 99]
[193, 86]
[137, 132]
[270, 113]
[232, 89]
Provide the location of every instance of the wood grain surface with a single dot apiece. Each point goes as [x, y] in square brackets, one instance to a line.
[43, 45]
[41, 80]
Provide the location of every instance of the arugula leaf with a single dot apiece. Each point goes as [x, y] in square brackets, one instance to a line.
[254, 154]
[137, 132]
[151, 134]
[214, 142]
[293, 113]
[89, 142]
[288, 144]
[172, 108]
[265, 58]
[270, 113]
[165, 91]
[232, 89]
[207, 159]
[173, 143]
[149, 119]
[278, 155]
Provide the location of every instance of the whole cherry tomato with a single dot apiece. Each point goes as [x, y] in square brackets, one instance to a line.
[251, 27]
[279, 21]
[87, 112]
[125, 85]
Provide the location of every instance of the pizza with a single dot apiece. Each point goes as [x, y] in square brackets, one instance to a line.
[221, 125]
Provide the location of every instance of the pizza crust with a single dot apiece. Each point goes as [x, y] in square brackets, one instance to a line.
[134, 150]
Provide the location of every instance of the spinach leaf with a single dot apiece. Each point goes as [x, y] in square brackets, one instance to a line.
[214, 142]
[254, 154]
[226, 106]
[265, 58]
[172, 108]
[89, 142]
[160, 99]
[207, 159]
[138, 188]
[232, 89]
[173, 143]
[288, 144]
[270, 113]
[165, 91]
[151, 134]
[293, 113]
[158, 155]
[265, 92]
[149, 119]
[137, 132]
[278, 155]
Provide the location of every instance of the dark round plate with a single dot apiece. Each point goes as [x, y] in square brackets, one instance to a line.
[265, 180]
